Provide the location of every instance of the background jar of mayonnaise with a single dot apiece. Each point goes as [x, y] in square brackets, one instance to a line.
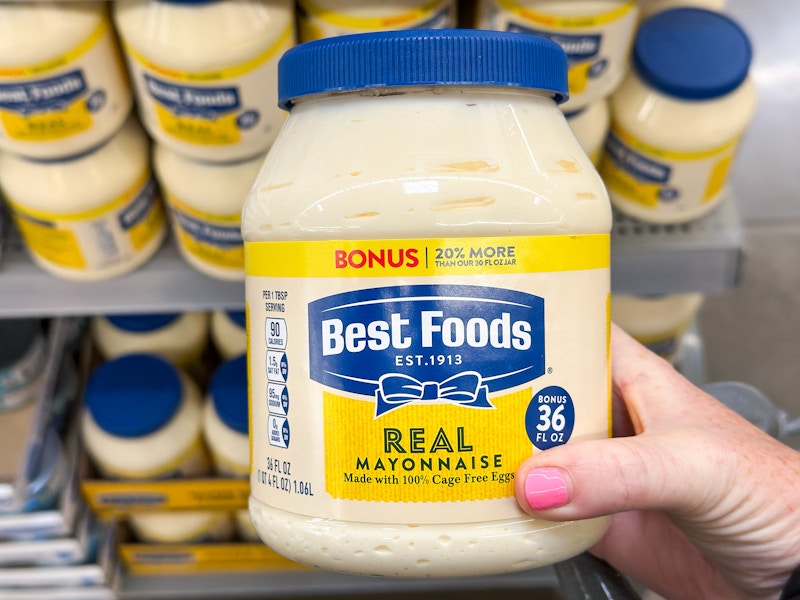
[319, 19]
[144, 420]
[179, 338]
[205, 202]
[426, 308]
[595, 34]
[658, 322]
[226, 430]
[63, 85]
[205, 71]
[678, 116]
[590, 125]
[647, 8]
[229, 333]
[93, 216]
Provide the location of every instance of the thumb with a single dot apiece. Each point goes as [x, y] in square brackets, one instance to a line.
[602, 477]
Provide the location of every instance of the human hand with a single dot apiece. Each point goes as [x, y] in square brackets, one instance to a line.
[705, 505]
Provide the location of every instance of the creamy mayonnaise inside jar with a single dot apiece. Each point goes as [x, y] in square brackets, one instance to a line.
[319, 19]
[205, 71]
[93, 216]
[144, 420]
[229, 333]
[658, 322]
[63, 85]
[179, 338]
[427, 259]
[647, 8]
[678, 117]
[590, 125]
[225, 426]
[205, 201]
[596, 35]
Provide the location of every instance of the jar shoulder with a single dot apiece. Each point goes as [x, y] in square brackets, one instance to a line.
[425, 166]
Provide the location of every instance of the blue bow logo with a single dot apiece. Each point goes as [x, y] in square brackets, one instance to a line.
[465, 389]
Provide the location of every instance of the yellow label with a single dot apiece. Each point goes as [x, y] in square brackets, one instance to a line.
[123, 497]
[214, 239]
[80, 240]
[396, 459]
[45, 238]
[40, 105]
[453, 256]
[406, 380]
[566, 21]
[661, 178]
[206, 132]
[47, 126]
[168, 559]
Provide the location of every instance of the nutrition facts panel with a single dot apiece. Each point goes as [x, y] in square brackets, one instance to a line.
[276, 336]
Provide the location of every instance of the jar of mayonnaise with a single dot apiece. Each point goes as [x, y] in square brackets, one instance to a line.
[63, 85]
[658, 322]
[679, 115]
[205, 71]
[229, 333]
[179, 338]
[590, 125]
[647, 8]
[595, 34]
[143, 421]
[426, 308]
[205, 201]
[226, 429]
[319, 19]
[93, 216]
[23, 358]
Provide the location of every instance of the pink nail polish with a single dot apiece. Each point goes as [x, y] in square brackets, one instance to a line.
[546, 488]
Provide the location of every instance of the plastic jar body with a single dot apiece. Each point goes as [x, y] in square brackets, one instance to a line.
[178, 338]
[205, 74]
[590, 125]
[431, 175]
[229, 333]
[658, 322]
[647, 8]
[225, 426]
[205, 202]
[91, 217]
[596, 35]
[62, 80]
[159, 436]
[668, 155]
[319, 19]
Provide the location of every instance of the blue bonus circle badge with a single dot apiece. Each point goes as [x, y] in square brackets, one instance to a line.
[550, 417]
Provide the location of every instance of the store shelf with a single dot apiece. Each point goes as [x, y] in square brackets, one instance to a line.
[317, 584]
[165, 284]
[702, 256]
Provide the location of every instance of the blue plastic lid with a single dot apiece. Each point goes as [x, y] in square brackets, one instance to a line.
[134, 395]
[142, 323]
[229, 393]
[447, 57]
[237, 316]
[692, 54]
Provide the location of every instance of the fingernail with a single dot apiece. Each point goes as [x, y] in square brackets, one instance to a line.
[546, 488]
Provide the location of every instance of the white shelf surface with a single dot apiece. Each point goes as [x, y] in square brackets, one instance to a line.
[702, 256]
